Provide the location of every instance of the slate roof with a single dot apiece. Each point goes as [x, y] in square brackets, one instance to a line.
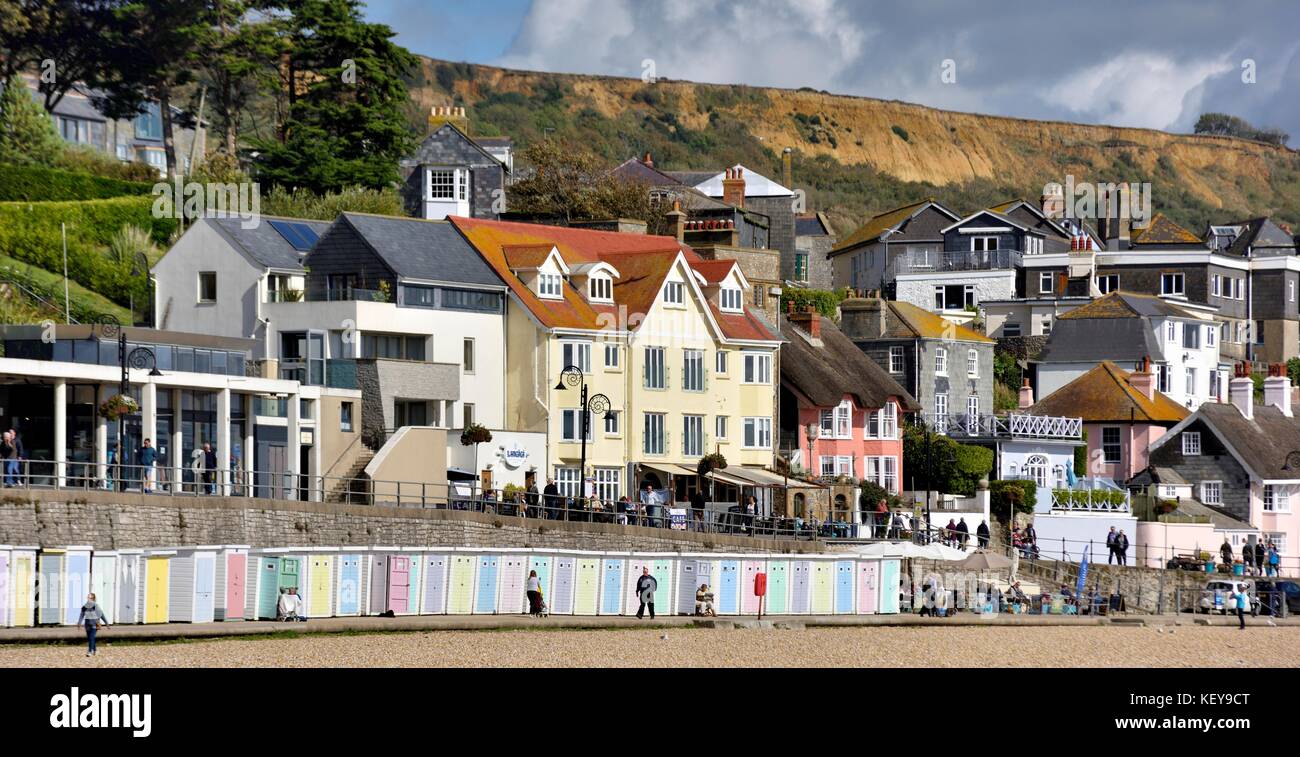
[1092, 340]
[812, 225]
[1259, 232]
[1122, 304]
[825, 374]
[633, 169]
[417, 249]
[1104, 395]
[1262, 442]
[890, 220]
[264, 244]
[1163, 231]
[907, 321]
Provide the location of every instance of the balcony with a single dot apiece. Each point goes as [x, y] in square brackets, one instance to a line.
[1092, 500]
[954, 261]
[321, 293]
[339, 373]
[1011, 426]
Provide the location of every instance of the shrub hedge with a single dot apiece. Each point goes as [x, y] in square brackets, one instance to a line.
[30, 232]
[38, 184]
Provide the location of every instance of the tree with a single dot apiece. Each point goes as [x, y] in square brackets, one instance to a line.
[27, 134]
[240, 57]
[345, 124]
[569, 183]
[73, 36]
[1223, 124]
[955, 468]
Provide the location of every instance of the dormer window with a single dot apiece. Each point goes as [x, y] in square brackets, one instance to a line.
[550, 286]
[675, 293]
[732, 299]
[600, 288]
[448, 184]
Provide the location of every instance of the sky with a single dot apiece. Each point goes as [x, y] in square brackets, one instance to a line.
[1147, 63]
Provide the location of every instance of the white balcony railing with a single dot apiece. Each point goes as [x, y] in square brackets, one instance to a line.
[1014, 425]
[1091, 500]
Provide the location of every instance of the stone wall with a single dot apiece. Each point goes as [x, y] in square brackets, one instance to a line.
[110, 520]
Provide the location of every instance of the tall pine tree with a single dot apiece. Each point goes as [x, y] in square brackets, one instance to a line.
[345, 94]
[27, 134]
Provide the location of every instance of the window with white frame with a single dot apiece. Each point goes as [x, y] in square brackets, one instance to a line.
[1270, 498]
[972, 363]
[693, 370]
[1036, 470]
[733, 301]
[693, 435]
[844, 421]
[882, 471]
[656, 373]
[827, 418]
[1171, 283]
[653, 439]
[1190, 386]
[550, 286]
[973, 409]
[571, 426]
[941, 361]
[675, 293]
[1164, 378]
[1239, 289]
[607, 484]
[758, 368]
[1191, 336]
[1111, 449]
[1277, 499]
[889, 421]
[1191, 442]
[1212, 492]
[1108, 283]
[1210, 333]
[836, 465]
[1290, 290]
[1214, 285]
[1279, 540]
[442, 184]
[1045, 325]
[1171, 331]
[720, 427]
[895, 359]
[568, 481]
[612, 423]
[941, 413]
[600, 288]
[758, 433]
[612, 356]
[1046, 282]
[827, 465]
[720, 363]
[576, 354]
[983, 244]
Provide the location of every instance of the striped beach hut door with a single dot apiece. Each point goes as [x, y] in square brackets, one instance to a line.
[512, 585]
[485, 598]
[844, 587]
[236, 580]
[435, 583]
[542, 564]
[749, 601]
[799, 587]
[378, 584]
[729, 588]
[128, 567]
[889, 584]
[349, 584]
[778, 587]
[611, 592]
[23, 571]
[50, 588]
[322, 567]
[399, 583]
[290, 572]
[204, 576]
[662, 570]
[687, 585]
[565, 575]
[634, 567]
[4, 589]
[868, 580]
[76, 579]
[268, 587]
[157, 583]
[823, 587]
[460, 601]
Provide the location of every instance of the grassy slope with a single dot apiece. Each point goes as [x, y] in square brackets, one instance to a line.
[77, 292]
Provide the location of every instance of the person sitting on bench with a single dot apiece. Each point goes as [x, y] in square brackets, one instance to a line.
[704, 601]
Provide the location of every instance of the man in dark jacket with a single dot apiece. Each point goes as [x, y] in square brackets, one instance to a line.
[210, 468]
[551, 499]
[982, 534]
[1121, 547]
[1225, 551]
[697, 509]
[1260, 555]
[645, 591]
[531, 499]
[1110, 546]
[963, 534]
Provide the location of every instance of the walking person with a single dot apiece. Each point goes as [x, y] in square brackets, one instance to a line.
[533, 588]
[209, 468]
[1110, 546]
[1248, 559]
[148, 474]
[551, 500]
[1121, 547]
[1274, 559]
[882, 519]
[531, 499]
[645, 591]
[963, 534]
[1240, 601]
[20, 454]
[950, 533]
[92, 618]
[698, 505]
[1261, 557]
[1225, 552]
[982, 534]
[9, 455]
[650, 504]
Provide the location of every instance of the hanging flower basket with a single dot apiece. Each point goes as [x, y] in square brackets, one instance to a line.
[711, 462]
[475, 434]
[117, 406]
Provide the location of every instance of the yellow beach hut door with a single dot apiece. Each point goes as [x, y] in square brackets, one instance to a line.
[155, 590]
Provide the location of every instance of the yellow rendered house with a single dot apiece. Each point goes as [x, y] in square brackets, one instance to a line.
[664, 338]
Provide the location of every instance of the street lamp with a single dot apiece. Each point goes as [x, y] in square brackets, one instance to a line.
[138, 358]
[572, 375]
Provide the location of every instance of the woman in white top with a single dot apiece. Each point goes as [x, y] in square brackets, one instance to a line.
[533, 587]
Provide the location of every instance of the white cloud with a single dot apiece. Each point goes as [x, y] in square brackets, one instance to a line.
[1134, 89]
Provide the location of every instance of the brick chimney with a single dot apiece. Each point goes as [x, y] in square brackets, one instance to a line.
[1115, 219]
[676, 218]
[809, 321]
[1277, 389]
[1241, 390]
[863, 318]
[1143, 379]
[787, 168]
[1026, 395]
[733, 187]
[448, 114]
[648, 160]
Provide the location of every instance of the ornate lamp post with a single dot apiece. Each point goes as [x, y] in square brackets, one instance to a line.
[572, 375]
[138, 358]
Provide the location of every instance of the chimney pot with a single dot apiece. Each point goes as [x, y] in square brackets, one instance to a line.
[1026, 399]
[649, 161]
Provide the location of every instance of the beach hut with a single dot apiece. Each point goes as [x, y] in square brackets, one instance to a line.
[321, 567]
[262, 592]
[377, 580]
[823, 586]
[750, 568]
[844, 587]
[21, 581]
[231, 582]
[800, 586]
[103, 581]
[415, 582]
[156, 587]
[513, 571]
[728, 592]
[868, 585]
[485, 590]
[191, 585]
[76, 582]
[460, 584]
[49, 586]
[586, 584]
[890, 583]
[563, 583]
[777, 601]
[635, 564]
[543, 564]
[129, 580]
[399, 582]
[692, 571]
[436, 569]
[348, 600]
[612, 569]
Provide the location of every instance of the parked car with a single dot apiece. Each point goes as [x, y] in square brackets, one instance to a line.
[1289, 589]
[1217, 595]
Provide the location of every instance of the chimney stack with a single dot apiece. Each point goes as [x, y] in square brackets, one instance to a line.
[1116, 219]
[733, 187]
[863, 318]
[647, 160]
[809, 320]
[1277, 389]
[676, 219]
[1026, 395]
[448, 114]
[1241, 391]
[787, 168]
[1143, 380]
